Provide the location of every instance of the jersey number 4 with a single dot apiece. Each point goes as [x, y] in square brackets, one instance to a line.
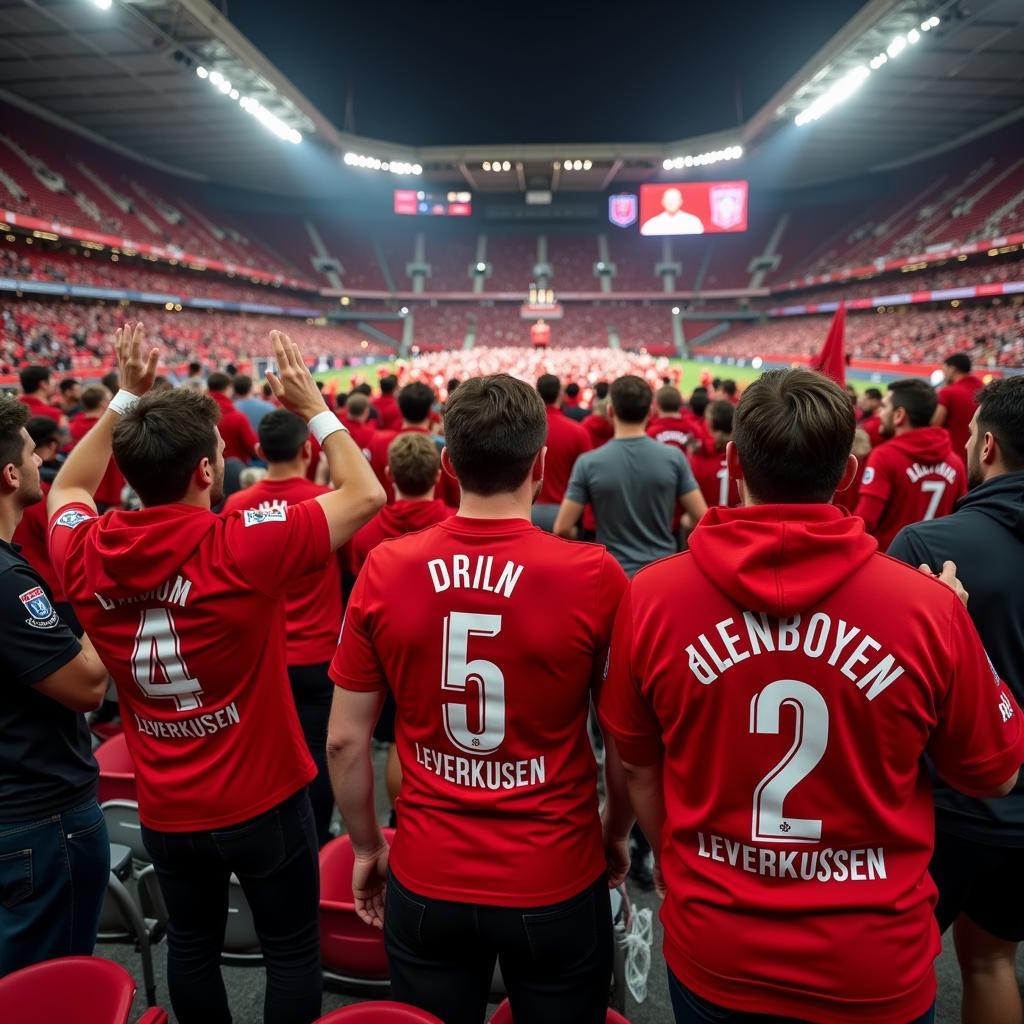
[477, 678]
[157, 665]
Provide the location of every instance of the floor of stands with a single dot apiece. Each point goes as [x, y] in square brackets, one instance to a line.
[245, 985]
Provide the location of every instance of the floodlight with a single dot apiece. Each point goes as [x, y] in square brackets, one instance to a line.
[668, 164]
[675, 311]
[487, 165]
[913, 35]
[202, 72]
[896, 47]
[103, 5]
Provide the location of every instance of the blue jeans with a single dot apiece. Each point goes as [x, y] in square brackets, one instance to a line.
[53, 879]
[275, 858]
[689, 1008]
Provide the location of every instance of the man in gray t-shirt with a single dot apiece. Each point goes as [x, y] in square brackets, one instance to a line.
[633, 484]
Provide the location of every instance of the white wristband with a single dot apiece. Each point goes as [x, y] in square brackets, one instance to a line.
[323, 424]
[123, 401]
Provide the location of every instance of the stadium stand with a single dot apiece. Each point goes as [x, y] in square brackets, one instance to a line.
[450, 258]
[512, 259]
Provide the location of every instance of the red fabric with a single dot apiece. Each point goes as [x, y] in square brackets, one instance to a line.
[566, 442]
[600, 428]
[679, 431]
[708, 467]
[796, 848]
[393, 521]
[831, 360]
[30, 535]
[909, 478]
[506, 807]
[109, 491]
[362, 433]
[185, 609]
[960, 399]
[239, 437]
[388, 411]
[312, 607]
[872, 426]
[447, 489]
[37, 407]
[540, 334]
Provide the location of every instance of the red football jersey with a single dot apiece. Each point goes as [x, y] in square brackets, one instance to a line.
[239, 437]
[388, 411]
[490, 634]
[792, 678]
[185, 610]
[566, 442]
[30, 535]
[109, 490]
[37, 407]
[313, 602]
[712, 477]
[960, 400]
[447, 489]
[912, 477]
[394, 520]
[679, 431]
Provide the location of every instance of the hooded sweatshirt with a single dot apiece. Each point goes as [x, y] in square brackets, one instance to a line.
[985, 537]
[185, 609]
[912, 477]
[394, 520]
[788, 678]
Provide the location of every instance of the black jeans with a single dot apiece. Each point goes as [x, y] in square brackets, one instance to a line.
[313, 690]
[556, 960]
[689, 1008]
[274, 856]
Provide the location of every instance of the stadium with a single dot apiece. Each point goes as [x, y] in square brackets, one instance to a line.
[638, 230]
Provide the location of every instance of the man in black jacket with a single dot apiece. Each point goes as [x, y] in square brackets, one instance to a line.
[979, 844]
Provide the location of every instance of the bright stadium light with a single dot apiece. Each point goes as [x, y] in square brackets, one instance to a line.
[667, 164]
[675, 311]
[202, 72]
[837, 93]
[712, 156]
[913, 36]
[103, 5]
[506, 166]
[587, 164]
[896, 47]
[487, 165]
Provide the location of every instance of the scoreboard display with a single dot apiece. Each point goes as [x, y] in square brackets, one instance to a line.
[413, 202]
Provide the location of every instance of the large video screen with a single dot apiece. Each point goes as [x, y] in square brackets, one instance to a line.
[693, 208]
[411, 202]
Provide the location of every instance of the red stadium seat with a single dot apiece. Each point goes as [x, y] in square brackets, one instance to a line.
[503, 1015]
[351, 951]
[117, 773]
[73, 990]
[379, 1013]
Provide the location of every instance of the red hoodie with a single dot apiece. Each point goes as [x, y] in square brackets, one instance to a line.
[239, 437]
[566, 442]
[600, 428]
[394, 520]
[789, 679]
[186, 610]
[960, 399]
[912, 477]
[388, 411]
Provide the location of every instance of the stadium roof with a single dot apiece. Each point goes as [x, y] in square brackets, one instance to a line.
[128, 75]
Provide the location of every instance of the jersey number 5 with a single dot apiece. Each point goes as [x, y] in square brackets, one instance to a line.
[157, 665]
[478, 677]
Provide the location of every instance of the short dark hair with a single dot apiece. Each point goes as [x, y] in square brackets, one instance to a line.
[631, 398]
[92, 397]
[415, 401]
[68, 383]
[1001, 413]
[161, 440]
[699, 401]
[33, 377]
[721, 415]
[601, 389]
[549, 387]
[363, 389]
[111, 381]
[669, 399]
[873, 393]
[194, 368]
[242, 384]
[572, 389]
[959, 361]
[13, 416]
[357, 403]
[413, 460]
[282, 435]
[494, 428]
[218, 381]
[43, 430]
[453, 383]
[917, 397]
[729, 387]
[793, 433]
[388, 384]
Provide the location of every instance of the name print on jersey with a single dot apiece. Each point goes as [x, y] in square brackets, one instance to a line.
[460, 576]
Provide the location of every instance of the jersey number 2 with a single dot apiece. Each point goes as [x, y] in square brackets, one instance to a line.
[157, 665]
[460, 675]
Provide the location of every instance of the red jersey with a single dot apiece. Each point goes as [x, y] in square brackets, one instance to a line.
[600, 428]
[566, 442]
[388, 411]
[712, 476]
[498, 778]
[678, 431]
[394, 520]
[910, 478]
[37, 407]
[790, 678]
[185, 609]
[109, 490]
[239, 437]
[312, 606]
[872, 426]
[447, 489]
[30, 536]
[960, 400]
[540, 335]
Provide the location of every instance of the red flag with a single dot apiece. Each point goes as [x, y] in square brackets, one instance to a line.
[831, 360]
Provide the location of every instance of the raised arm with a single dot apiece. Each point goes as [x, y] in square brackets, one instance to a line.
[359, 495]
[83, 471]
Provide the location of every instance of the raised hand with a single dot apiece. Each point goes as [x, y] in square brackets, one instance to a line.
[135, 373]
[293, 384]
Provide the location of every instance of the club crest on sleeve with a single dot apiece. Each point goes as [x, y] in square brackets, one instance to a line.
[72, 518]
[37, 604]
[869, 475]
[256, 516]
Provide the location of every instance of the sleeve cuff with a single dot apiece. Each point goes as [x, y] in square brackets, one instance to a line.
[57, 661]
[633, 748]
[347, 682]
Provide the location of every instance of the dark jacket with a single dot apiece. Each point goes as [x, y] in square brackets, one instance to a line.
[985, 537]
